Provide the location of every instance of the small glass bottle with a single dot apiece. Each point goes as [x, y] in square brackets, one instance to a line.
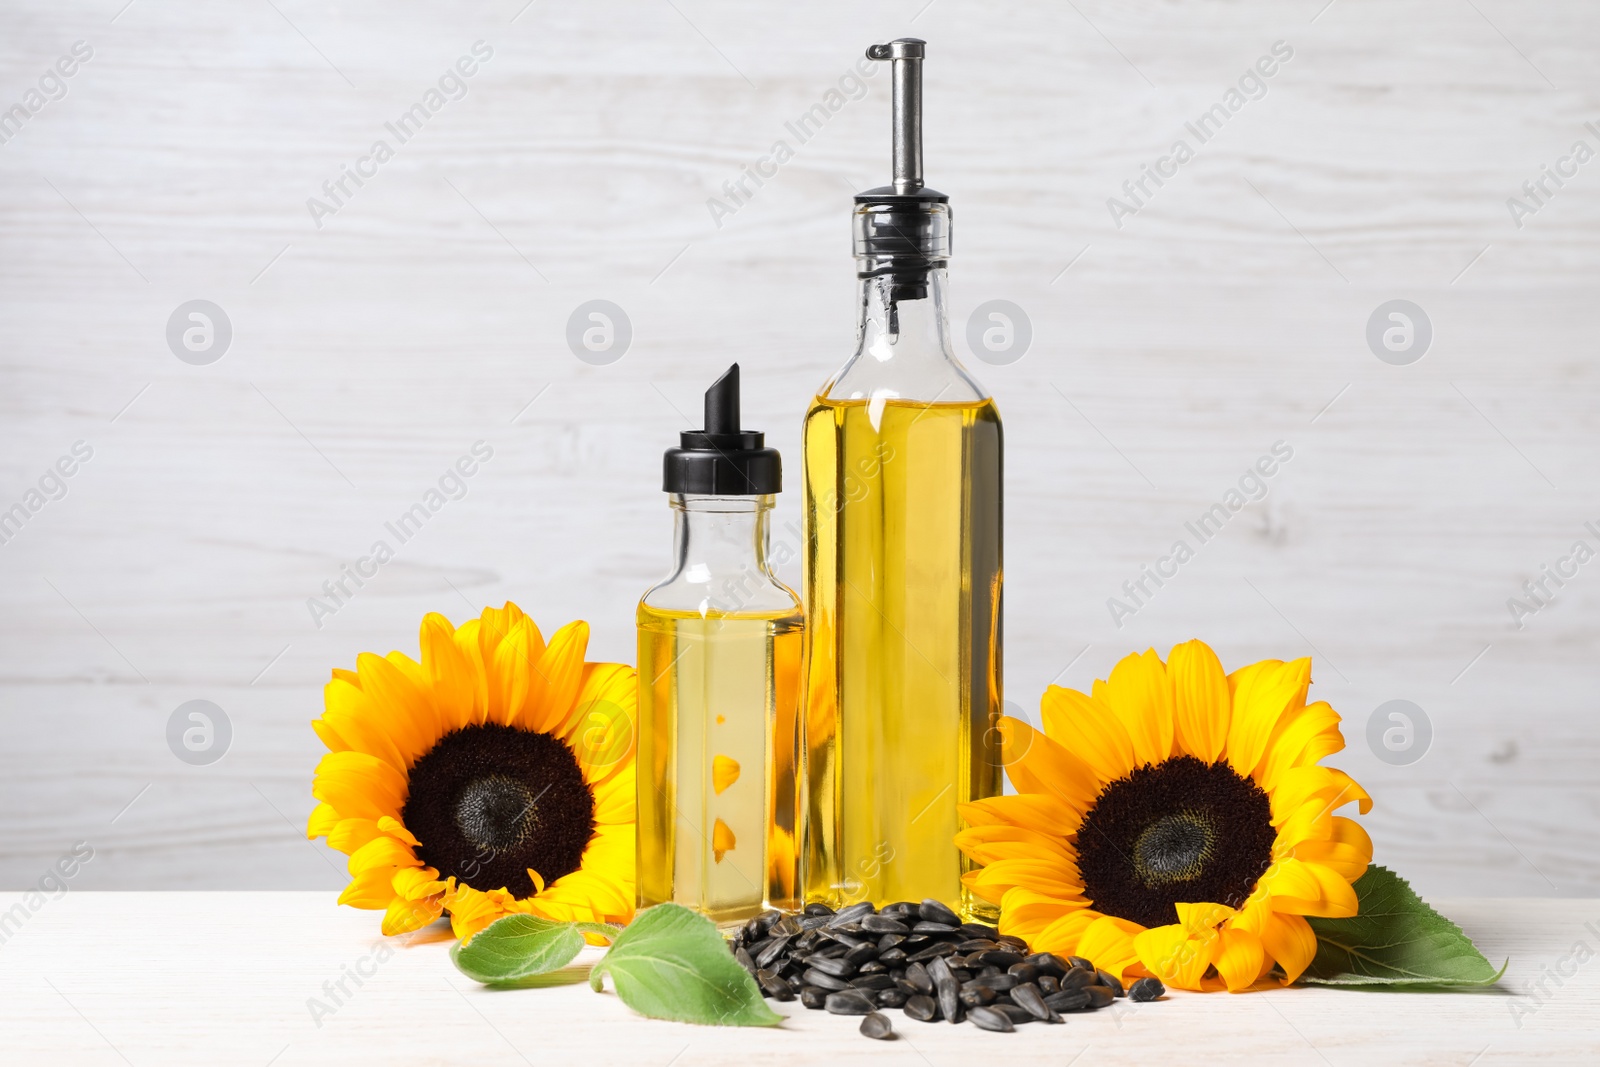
[719, 684]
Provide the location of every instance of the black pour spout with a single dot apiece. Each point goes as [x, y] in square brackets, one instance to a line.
[722, 459]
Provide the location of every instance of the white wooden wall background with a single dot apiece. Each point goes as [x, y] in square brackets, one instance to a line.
[1226, 315]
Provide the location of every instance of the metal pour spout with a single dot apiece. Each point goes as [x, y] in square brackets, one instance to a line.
[906, 54]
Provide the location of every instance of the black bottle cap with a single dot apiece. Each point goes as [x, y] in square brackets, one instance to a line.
[722, 459]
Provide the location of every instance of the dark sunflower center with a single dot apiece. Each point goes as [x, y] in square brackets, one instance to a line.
[490, 802]
[1178, 831]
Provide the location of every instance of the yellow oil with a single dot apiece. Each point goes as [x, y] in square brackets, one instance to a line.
[902, 581]
[717, 760]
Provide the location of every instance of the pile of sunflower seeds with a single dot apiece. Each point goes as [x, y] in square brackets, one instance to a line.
[922, 959]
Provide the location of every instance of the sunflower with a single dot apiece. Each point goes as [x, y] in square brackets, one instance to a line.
[1174, 822]
[494, 777]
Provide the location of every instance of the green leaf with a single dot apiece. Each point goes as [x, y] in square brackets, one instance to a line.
[517, 947]
[1394, 940]
[671, 963]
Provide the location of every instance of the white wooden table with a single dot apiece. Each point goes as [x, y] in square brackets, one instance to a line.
[225, 978]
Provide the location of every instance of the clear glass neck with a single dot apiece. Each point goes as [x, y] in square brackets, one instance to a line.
[721, 567]
[903, 345]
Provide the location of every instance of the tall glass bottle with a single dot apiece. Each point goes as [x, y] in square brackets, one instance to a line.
[719, 685]
[902, 515]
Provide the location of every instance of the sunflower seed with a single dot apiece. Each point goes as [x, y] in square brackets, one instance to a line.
[1048, 963]
[816, 909]
[892, 998]
[945, 985]
[874, 967]
[934, 911]
[977, 944]
[1069, 1000]
[883, 924]
[774, 948]
[918, 976]
[850, 914]
[922, 1008]
[744, 960]
[1025, 971]
[1111, 982]
[1000, 957]
[991, 1019]
[889, 941]
[877, 1026]
[978, 996]
[1079, 961]
[1146, 989]
[823, 980]
[1027, 996]
[1017, 1015]
[1000, 983]
[988, 933]
[1048, 983]
[861, 954]
[873, 982]
[773, 986]
[788, 926]
[1077, 978]
[839, 968]
[892, 957]
[849, 1002]
[928, 926]
[1099, 996]
[813, 997]
[938, 949]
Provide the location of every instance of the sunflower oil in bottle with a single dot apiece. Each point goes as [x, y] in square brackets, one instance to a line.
[719, 685]
[902, 512]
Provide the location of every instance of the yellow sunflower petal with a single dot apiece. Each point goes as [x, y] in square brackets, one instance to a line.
[614, 799]
[990, 844]
[722, 840]
[370, 889]
[511, 675]
[1303, 737]
[394, 697]
[1172, 955]
[1053, 879]
[602, 726]
[1030, 912]
[1063, 935]
[351, 834]
[359, 785]
[403, 916]
[1202, 708]
[1239, 959]
[1036, 764]
[1093, 732]
[395, 828]
[324, 817]
[455, 687]
[1262, 693]
[1290, 941]
[1327, 786]
[1347, 851]
[417, 883]
[724, 772]
[1109, 942]
[1032, 810]
[382, 851]
[1299, 887]
[351, 714]
[1140, 695]
[553, 689]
